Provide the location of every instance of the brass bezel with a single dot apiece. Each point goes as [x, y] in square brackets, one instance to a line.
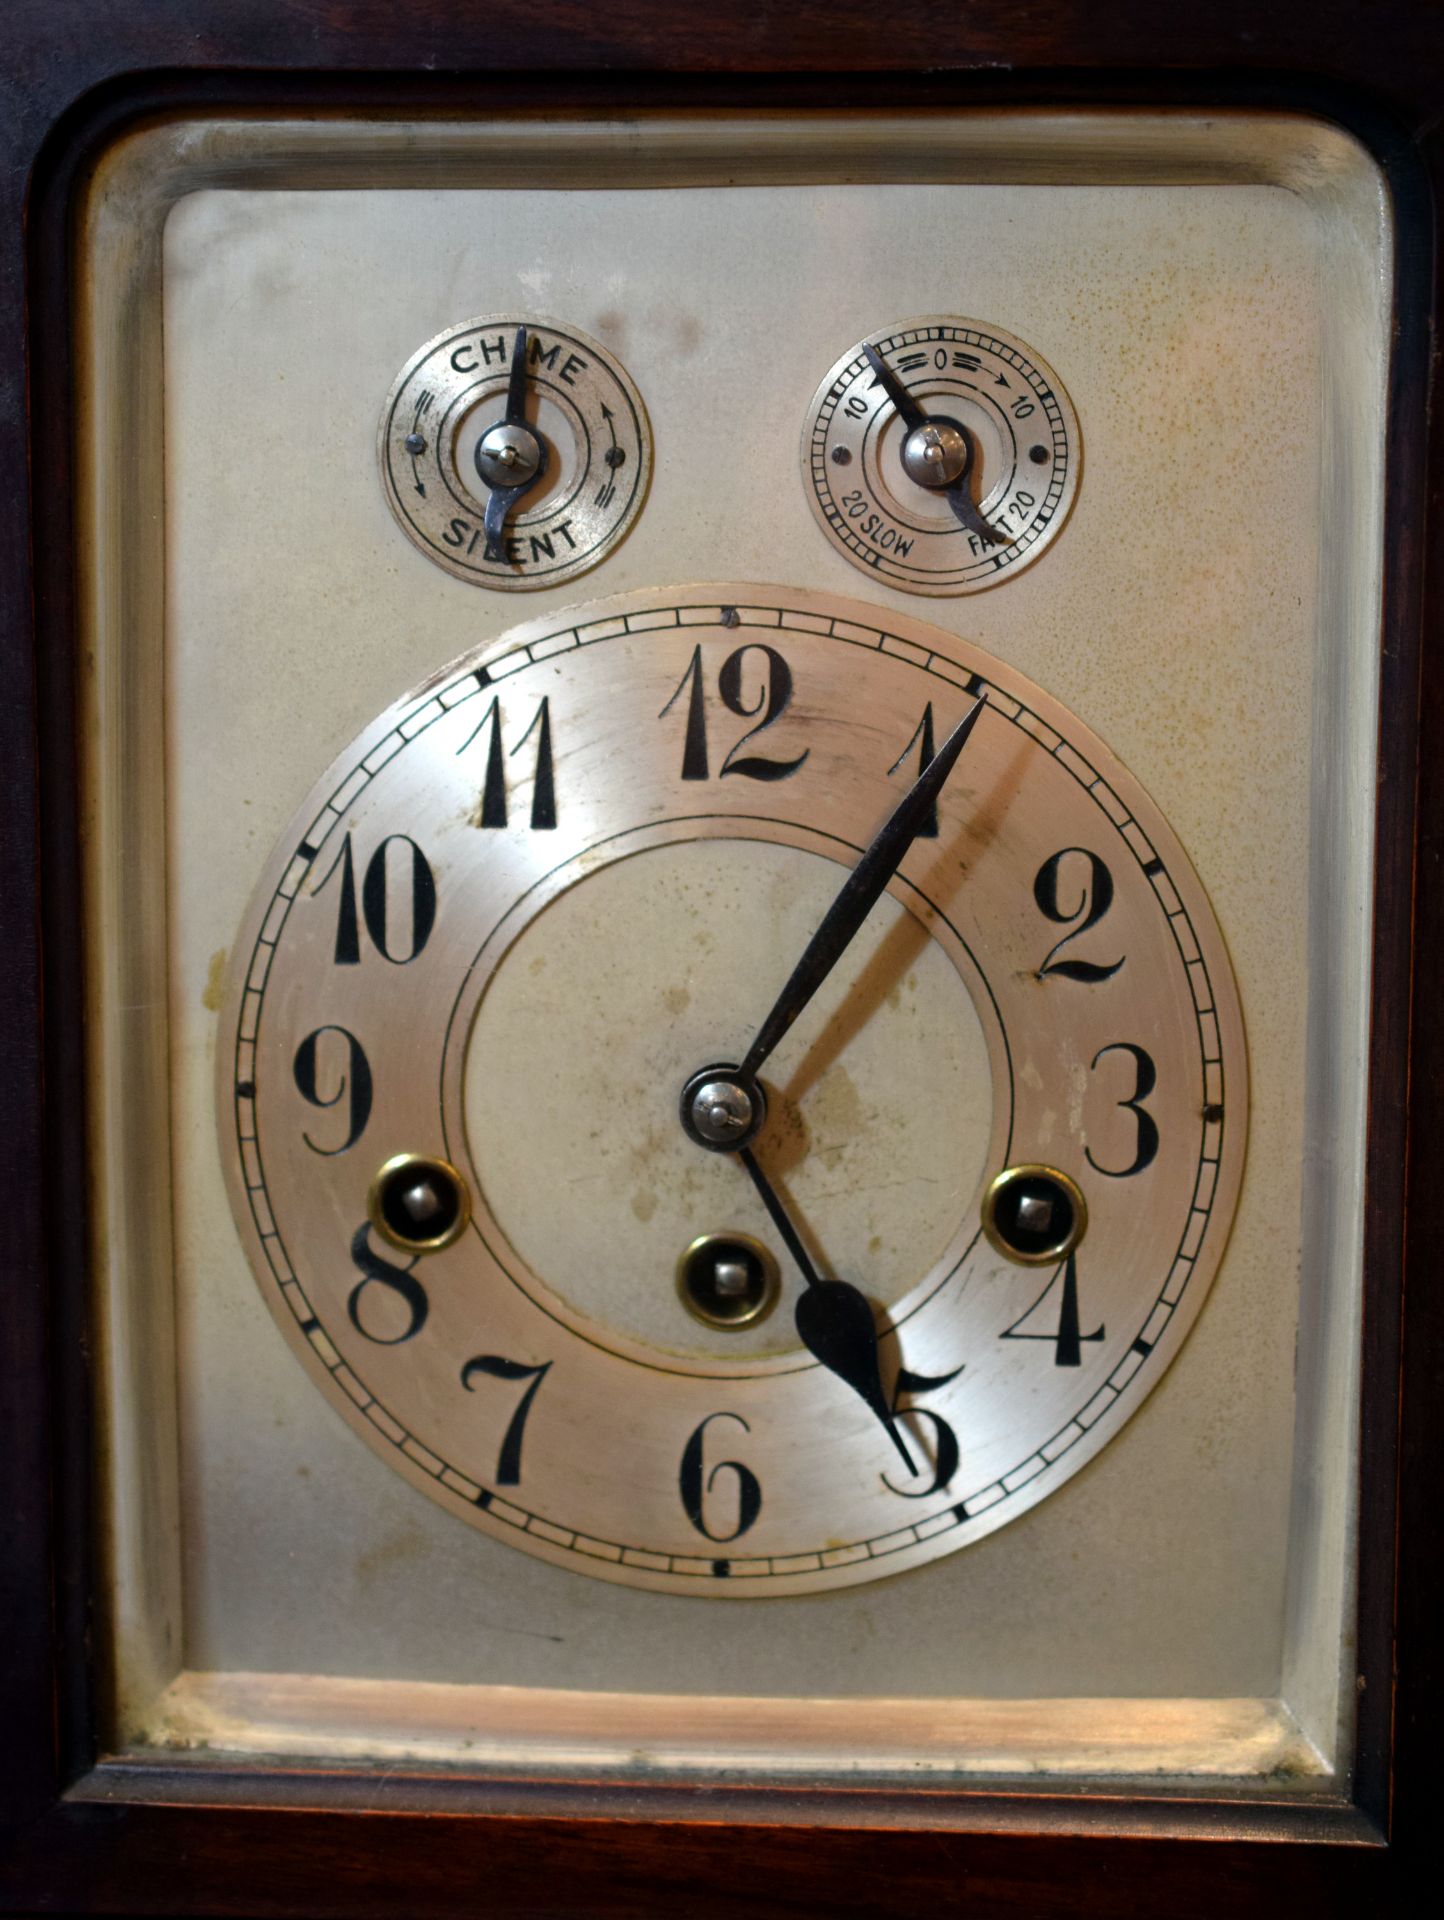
[764, 1306]
[426, 1162]
[999, 1185]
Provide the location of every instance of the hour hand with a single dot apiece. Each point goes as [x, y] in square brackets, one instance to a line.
[511, 456]
[834, 1320]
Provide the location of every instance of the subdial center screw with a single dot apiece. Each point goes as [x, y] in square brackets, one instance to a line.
[935, 453]
[507, 455]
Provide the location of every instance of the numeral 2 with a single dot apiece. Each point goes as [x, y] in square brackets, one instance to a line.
[1094, 899]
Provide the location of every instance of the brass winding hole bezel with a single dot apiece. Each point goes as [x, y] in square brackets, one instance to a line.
[392, 1171]
[750, 1315]
[1010, 1177]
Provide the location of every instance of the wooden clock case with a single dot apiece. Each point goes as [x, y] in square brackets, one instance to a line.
[82, 1832]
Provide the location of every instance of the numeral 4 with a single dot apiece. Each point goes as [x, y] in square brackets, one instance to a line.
[1067, 1337]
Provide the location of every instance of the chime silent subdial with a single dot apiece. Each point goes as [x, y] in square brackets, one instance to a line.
[515, 451]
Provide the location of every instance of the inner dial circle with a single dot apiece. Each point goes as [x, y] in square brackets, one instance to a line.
[880, 1100]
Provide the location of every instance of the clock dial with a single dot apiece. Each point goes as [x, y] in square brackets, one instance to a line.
[941, 455]
[515, 451]
[549, 897]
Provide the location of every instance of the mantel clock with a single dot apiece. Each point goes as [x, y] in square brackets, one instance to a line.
[740, 803]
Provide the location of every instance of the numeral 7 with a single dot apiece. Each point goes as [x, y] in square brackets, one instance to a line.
[508, 1464]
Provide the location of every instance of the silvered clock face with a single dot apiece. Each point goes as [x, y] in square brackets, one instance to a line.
[535, 898]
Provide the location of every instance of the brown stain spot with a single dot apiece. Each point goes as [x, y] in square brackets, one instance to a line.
[644, 1204]
[215, 982]
[394, 1551]
[838, 1115]
[677, 1000]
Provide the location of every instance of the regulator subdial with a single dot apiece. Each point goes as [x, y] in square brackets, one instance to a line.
[941, 455]
[515, 451]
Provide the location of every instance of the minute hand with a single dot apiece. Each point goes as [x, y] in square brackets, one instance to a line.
[859, 894]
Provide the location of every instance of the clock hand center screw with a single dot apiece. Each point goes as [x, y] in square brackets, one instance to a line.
[720, 1110]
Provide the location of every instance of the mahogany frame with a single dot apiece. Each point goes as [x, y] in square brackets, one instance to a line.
[79, 1833]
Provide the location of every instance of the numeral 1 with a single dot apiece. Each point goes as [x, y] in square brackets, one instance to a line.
[922, 739]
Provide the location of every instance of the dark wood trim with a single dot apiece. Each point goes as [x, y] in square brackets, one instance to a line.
[610, 1858]
[989, 1806]
[1388, 1197]
[75, 1836]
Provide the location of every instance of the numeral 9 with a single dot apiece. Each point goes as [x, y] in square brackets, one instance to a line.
[354, 1078]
